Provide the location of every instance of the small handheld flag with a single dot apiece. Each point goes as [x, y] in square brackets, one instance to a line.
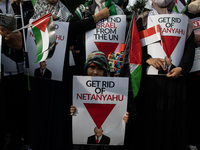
[45, 37]
[132, 61]
[150, 35]
[135, 59]
[44, 32]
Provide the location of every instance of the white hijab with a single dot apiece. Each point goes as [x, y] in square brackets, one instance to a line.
[162, 3]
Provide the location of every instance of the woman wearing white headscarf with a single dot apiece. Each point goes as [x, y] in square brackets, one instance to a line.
[162, 107]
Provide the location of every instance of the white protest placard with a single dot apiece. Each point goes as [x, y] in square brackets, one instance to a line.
[196, 28]
[100, 102]
[196, 25]
[108, 35]
[171, 48]
[196, 66]
[56, 62]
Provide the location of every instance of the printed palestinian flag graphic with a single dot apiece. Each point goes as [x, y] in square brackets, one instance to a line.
[44, 32]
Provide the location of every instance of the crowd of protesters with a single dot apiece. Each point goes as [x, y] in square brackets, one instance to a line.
[165, 110]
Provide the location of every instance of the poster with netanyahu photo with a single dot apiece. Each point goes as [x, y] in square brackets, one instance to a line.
[54, 66]
[101, 103]
[108, 35]
[171, 47]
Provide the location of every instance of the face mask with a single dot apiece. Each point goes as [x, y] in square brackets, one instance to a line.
[162, 3]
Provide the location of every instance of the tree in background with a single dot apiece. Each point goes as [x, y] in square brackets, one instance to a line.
[72, 4]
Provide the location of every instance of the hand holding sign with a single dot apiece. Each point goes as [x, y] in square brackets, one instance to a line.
[157, 63]
[103, 14]
[175, 73]
[72, 110]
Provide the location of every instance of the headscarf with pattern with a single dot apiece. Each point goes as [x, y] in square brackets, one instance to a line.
[97, 58]
[43, 7]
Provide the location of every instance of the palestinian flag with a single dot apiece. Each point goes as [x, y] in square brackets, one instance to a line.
[111, 7]
[132, 62]
[44, 32]
[180, 6]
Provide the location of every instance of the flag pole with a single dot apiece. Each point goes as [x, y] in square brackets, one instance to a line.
[130, 27]
[123, 45]
[24, 27]
[25, 48]
[23, 30]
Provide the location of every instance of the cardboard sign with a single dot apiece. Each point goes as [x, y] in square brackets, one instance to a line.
[56, 62]
[101, 102]
[108, 35]
[171, 48]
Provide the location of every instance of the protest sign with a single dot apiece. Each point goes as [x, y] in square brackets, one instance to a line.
[56, 62]
[100, 102]
[108, 35]
[196, 28]
[171, 48]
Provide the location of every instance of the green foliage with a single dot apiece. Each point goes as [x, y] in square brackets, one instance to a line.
[72, 4]
[138, 7]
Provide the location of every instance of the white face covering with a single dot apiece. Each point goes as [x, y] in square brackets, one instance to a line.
[162, 3]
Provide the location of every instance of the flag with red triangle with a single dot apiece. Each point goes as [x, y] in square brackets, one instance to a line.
[172, 43]
[44, 32]
[100, 102]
